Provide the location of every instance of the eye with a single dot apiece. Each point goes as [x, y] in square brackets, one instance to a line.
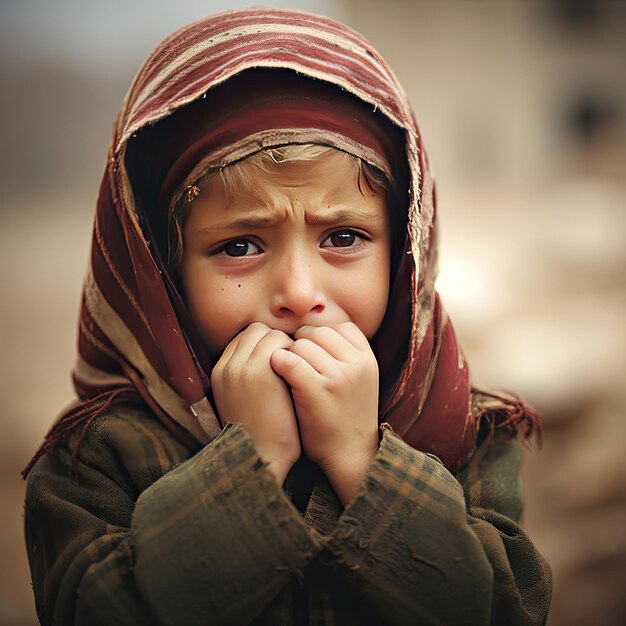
[239, 247]
[342, 239]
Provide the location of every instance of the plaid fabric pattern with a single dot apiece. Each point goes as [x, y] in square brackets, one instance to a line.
[161, 516]
[151, 535]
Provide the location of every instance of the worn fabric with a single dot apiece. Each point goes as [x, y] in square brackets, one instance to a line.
[143, 508]
[272, 107]
[150, 534]
[135, 334]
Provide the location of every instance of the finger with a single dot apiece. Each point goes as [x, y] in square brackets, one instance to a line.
[271, 341]
[249, 337]
[333, 342]
[353, 334]
[294, 369]
[240, 348]
[230, 349]
[319, 359]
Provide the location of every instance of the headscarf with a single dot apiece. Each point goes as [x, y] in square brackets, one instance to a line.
[136, 341]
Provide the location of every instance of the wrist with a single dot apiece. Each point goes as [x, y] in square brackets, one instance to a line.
[279, 469]
[347, 472]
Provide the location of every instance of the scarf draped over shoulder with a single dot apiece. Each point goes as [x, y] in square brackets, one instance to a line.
[135, 341]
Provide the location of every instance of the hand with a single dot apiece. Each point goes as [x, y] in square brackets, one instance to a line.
[333, 375]
[248, 392]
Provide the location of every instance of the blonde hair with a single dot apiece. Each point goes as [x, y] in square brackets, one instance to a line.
[248, 173]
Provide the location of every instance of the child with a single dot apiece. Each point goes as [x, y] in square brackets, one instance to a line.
[276, 425]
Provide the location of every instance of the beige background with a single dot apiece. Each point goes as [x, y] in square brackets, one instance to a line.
[523, 108]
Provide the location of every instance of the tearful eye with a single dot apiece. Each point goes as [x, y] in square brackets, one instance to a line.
[239, 247]
[341, 239]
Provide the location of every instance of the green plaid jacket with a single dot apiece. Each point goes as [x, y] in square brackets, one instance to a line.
[150, 534]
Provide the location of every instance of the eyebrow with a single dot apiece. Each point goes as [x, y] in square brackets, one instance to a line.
[267, 221]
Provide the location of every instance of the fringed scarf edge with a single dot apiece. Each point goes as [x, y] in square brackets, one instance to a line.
[505, 412]
[82, 414]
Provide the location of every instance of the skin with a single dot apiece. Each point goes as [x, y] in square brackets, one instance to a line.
[286, 289]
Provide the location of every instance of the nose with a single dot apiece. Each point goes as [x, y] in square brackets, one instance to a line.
[296, 291]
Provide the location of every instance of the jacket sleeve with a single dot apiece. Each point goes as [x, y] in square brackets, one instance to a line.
[215, 538]
[426, 547]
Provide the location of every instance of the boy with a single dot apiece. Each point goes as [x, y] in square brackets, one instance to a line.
[290, 247]
[260, 299]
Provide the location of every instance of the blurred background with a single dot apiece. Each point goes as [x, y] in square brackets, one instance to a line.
[523, 107]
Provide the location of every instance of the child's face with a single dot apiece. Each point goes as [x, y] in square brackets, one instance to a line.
[305, 248]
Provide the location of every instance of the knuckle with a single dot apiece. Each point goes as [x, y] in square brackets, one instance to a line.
[215, 379]
[301, 342]
[349, 325]
[218, 370]
[230, 372]
[276, 334]
[257, 327]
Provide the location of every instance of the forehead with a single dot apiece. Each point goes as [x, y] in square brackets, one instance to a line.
[321, 188]
[327, 176]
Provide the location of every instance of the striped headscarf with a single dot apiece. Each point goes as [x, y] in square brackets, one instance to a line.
[135, 340]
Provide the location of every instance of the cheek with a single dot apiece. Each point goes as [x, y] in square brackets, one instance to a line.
[366, 299]
[220, 307]
[376, 307]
